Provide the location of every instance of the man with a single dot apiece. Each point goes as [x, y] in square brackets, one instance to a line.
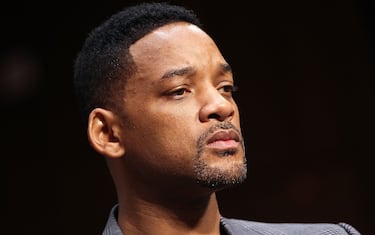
[157, 94]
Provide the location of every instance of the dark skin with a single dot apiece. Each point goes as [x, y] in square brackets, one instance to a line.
[182, 127]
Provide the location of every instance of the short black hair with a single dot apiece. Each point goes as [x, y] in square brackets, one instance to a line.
[104, 62]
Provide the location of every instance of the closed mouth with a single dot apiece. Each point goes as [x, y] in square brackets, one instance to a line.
[224, 139]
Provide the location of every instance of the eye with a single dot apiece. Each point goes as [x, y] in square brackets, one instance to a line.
[228, 89]
[177, 94]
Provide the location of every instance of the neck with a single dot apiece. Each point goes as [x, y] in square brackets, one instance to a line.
[167, 205]
[142, 215]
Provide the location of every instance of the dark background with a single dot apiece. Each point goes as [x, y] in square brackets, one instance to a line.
[305, 70]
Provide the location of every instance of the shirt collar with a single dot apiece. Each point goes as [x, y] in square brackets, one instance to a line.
[113, 228]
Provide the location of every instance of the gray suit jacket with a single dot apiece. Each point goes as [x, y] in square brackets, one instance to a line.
[244, 227]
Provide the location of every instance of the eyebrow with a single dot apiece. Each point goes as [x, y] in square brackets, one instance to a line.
[187, 71]
[225, 68]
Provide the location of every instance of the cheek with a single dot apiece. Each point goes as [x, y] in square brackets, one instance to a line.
[163, 143]
[163, 129]
[236, 118]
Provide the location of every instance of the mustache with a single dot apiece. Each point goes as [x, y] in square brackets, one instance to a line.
[219, 126]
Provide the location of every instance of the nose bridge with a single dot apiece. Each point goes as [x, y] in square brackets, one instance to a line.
[215, 105]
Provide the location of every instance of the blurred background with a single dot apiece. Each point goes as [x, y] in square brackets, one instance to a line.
[305, 71]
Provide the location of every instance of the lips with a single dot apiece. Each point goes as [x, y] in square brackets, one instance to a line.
[224, 139]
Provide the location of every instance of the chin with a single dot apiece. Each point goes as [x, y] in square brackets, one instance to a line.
[220, 176]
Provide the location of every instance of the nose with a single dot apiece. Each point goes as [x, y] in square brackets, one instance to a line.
[216, 106]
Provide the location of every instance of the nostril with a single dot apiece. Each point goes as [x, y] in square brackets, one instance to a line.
[214, 116]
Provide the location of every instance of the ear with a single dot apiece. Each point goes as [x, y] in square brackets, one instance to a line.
[104, 133]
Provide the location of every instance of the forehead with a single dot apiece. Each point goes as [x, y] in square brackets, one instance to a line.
[174, 45]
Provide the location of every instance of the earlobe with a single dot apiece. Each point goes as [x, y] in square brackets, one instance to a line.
[104, 133]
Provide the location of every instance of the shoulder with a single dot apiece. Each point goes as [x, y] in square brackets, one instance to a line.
[238, 227]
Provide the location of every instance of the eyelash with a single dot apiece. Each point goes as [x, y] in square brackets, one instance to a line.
[179, 93]
[229, 88]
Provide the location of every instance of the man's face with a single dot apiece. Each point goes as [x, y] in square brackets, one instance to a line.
[182, 124]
